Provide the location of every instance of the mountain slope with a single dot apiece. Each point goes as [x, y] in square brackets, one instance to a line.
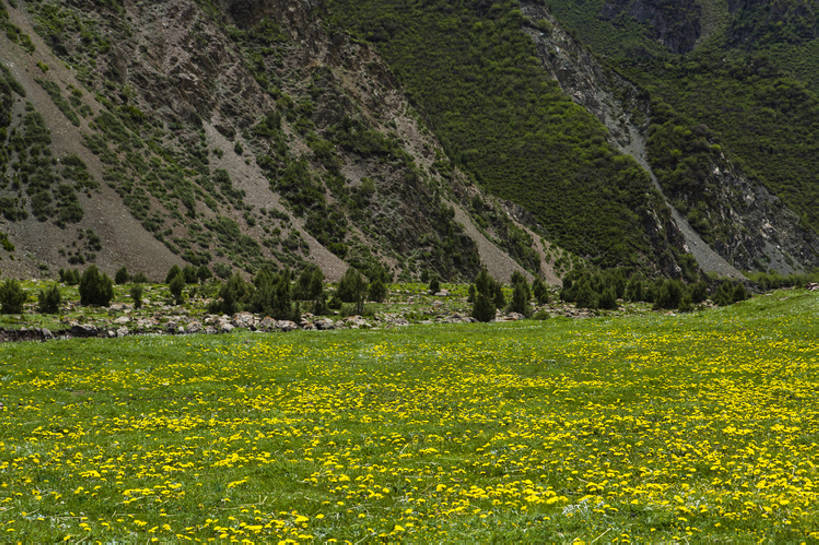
[750, 80]
[724, 189]
[471, 71]
[413, 137]
[222, 165]
[729, 223]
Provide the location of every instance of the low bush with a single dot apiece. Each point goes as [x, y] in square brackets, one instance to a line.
[49, 300]
[95, 288]
[136, 295]
[12, 297]
[122, 276]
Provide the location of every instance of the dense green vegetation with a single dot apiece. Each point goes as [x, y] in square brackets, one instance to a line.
[750, 86]
[473, 75]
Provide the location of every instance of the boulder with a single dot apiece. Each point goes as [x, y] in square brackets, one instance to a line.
[84, 330]
[307, 324]
[194, 326]
[325, 324]
[357, 322]
[266, 324]
[245, 320]
[286, 325]
[225, 327]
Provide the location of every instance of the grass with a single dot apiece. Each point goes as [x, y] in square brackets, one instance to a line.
[698, 428]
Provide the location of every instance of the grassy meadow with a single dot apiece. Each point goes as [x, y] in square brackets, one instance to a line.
[697, 428]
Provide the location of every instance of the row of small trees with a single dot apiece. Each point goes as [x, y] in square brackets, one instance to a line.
[283, 294]
[94, 286]
[486, 295]
[279, 295]
[601, 289]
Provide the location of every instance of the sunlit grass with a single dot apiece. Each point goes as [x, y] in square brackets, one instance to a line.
[699, 428]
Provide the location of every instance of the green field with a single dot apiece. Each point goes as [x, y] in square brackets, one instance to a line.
[699, 428]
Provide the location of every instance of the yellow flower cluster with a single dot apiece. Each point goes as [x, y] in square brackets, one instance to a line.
[631, 430]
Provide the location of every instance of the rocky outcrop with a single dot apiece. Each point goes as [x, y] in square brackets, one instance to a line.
[198, 112]
[756, 230]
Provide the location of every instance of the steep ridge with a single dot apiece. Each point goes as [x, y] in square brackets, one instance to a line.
[243, 133]
[747, 90]
[620, 106]
[756, 228]
[121, 239]
[472, 74]
[424, 137]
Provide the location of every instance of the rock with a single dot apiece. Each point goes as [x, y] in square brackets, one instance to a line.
[122, 331]
[83, 330]
[245, 320]
[286, 325]
[266, 324]
[514, 316]
[122, 320]
[111, 334]
[325, 324]
[194, 326]
[307, 324]
[146, 324]
[225, 327]
[813, 286]
[442, 293]
[357, 322]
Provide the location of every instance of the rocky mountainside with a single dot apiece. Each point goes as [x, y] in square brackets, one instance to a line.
[237, 134]
[234, 133]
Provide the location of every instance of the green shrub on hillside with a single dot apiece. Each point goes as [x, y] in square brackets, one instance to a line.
[177, 288]
[485, 300]
[540, 291]
[377, 291]
[231, 294]
[49, 300]
[122, 276]
[136, 295]
[272, 295]
[12, 297]
[669, 294]
[352, 288]
[95, 288]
